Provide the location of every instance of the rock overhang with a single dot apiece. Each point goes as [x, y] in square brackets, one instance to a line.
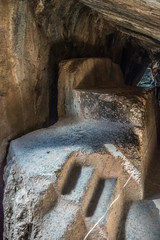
[139, 19]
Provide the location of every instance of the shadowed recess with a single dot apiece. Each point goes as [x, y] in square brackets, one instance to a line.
[95, 198]
[72, 179]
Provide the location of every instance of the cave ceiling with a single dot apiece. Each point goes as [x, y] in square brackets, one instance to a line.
[137, 18]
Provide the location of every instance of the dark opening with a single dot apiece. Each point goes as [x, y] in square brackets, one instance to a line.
[135, 60]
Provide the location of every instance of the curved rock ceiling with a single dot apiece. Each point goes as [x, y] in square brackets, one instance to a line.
[139, 18]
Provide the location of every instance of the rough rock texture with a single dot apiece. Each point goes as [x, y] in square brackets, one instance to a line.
[93, 73]
[137, 18]
[143, 220]
[25, 56]
[36, 36]
[32, 196]
[23, 85]
[60, 180]
[100, 97]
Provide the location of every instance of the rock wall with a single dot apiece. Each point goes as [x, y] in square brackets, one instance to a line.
[36, 36]
[23, 85]
[137, 18]
[92, 73]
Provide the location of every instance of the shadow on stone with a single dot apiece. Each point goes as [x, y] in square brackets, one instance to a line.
[95, 198]
[72, 179]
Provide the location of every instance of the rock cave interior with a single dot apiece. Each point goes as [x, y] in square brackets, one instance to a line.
[79, 128]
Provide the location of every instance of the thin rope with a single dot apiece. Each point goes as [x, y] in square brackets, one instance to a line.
[108, 207]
